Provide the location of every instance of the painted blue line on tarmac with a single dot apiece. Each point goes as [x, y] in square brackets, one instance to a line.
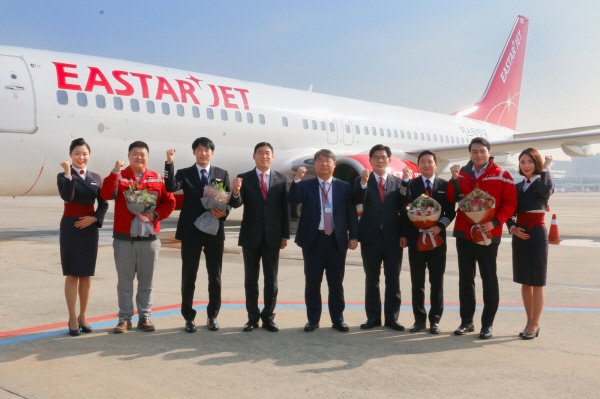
[49, 334]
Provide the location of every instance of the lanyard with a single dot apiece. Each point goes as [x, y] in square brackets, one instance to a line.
[325, 193]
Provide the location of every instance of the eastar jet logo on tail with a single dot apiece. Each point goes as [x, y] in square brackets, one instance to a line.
[511, 57]
[122, 84]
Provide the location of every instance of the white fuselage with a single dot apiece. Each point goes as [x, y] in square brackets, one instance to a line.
[110, 130]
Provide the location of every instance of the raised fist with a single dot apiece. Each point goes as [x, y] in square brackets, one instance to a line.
[300, 173]
[119, 165]
[364, 177]
[406, 173]
[237, 185]
[66, 165]
[547, 161]
[171, 155]
[454, 170]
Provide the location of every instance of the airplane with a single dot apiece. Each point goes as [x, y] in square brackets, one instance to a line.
[49, 98]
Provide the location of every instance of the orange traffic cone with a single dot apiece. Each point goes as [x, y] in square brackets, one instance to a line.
[553, 236]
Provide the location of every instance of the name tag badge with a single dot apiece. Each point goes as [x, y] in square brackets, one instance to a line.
[327, 208]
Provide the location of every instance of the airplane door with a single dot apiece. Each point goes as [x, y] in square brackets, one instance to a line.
[17, 98]
[332, 134]
[347, 132]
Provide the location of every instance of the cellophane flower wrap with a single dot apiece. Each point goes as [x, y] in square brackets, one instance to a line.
[479, 207]
[215, 196]
[140, 201]
[424, 213]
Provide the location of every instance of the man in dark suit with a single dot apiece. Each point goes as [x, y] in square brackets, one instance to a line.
[379, 236]
[192, 181]
[435, 259]
[328, 227]
[265, 230]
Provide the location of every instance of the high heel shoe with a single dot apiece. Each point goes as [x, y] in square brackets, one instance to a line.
[532, 336]
[84, 329]
[522, 333]
[73, 333]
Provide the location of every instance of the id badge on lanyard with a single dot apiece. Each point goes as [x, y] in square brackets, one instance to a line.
[327, 208]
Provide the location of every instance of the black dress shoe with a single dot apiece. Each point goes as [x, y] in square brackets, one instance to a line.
[532, 336]
[83, 328]
[311, 326]
[394, 325]
[212, 324]
[190, 326]
[250, 326]
[486, 332]
[417, 327]
[434, 329]
[370, 323]
[341, 326]
[464, 328]
[270, 326]
[73, 333]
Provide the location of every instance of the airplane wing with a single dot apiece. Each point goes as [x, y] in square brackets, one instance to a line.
[576, 145]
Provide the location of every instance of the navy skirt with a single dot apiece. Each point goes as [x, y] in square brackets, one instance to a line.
[530, 257]
[78, 248]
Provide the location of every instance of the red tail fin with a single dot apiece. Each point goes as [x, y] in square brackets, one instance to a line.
[500, 102]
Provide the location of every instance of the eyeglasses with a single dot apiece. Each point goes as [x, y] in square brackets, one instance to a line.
[377, 158]
[261, 153]
[329, 161]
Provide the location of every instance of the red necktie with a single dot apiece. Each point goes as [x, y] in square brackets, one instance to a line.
[263, 186]
[528, 181]
[381, 188]
[81, 172]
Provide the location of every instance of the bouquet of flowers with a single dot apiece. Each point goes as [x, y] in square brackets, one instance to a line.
[215, 196]
[424, 213]
[479, 207]
[138, 202]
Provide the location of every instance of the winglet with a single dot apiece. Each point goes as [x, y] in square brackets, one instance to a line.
[500, 102]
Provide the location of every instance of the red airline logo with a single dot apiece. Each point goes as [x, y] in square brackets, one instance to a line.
[183, 91]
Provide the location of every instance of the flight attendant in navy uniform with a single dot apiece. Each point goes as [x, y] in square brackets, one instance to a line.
[530, 239]
[80, 189]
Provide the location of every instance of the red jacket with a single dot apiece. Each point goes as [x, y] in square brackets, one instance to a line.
[498, 183]
[115, 184]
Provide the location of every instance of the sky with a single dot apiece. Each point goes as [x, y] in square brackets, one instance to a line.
[434, 55]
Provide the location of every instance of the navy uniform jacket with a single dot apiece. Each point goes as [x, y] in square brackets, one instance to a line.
[412, 189]
[345, 217]
[188, 180]
[270, 217]
[379, 215]
[83, 191]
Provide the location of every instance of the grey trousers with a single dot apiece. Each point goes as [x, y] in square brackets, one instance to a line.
[133, 257]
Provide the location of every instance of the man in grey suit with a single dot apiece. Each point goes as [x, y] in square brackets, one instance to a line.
[379, 232]
[264, 232]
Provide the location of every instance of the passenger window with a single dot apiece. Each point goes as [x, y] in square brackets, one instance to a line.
[435, 137]
[210, 113]
[366, 130]
[389, 133]
[166, 110]
[150, 107]
[452, 138]
[82, 99]
[357, 129]
[100, 101]
[373, 131]
[314, 124]
[135, 105]
[195, 112]
[348, 128]
[261, 119]
[180, 110]
[284, 121]
[408, 134]
[62, 97]
[447, 139]
[224, 115]
[118, 103]
[331, 127]
[238, 116]
[381, 132]
[250, 117]
[395, 133]
[305, 123]
[323, 127]
[402, 134]
[422, 137]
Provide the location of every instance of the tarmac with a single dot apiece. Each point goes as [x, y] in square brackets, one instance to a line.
[38, 359]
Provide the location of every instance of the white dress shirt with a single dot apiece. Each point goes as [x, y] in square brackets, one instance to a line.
[329, 199]
[267, 177]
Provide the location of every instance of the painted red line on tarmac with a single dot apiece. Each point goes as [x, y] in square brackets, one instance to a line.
[237, 302]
